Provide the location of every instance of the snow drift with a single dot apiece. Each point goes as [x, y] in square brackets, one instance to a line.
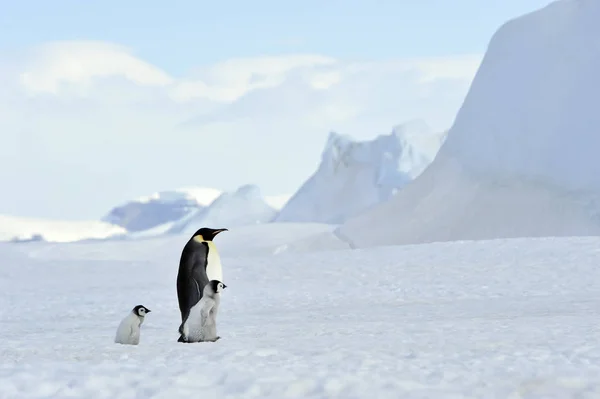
[353, 176]
[521, 158]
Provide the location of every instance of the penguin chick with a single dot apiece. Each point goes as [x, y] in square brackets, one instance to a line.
[128, 332]
[201, 325]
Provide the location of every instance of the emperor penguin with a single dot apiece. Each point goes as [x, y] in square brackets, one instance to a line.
[128, 332]
[201, 325]
[199, 263]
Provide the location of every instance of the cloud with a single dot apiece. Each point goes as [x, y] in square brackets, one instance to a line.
[228, 81]
[79, 63]
[85, 125]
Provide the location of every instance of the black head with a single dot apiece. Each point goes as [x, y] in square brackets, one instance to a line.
[217, 286]
[140, 310]
[207, 234]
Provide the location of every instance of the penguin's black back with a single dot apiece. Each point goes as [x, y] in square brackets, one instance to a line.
[191, 277]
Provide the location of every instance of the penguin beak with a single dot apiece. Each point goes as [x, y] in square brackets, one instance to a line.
[148, 310]
[217, 231]
[224, 286]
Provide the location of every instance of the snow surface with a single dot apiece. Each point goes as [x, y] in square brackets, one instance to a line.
[251, 241]
[499, 319]
[24, 229]
[521, 158]
[354, 176]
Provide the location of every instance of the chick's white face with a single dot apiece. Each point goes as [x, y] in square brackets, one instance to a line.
[141, 311]
[220, 287]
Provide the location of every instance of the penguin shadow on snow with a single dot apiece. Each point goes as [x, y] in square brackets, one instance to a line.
[199, 288]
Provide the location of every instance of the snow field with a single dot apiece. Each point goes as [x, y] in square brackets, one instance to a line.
[496, 319]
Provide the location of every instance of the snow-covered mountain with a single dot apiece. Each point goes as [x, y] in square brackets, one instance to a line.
[161, 207]
[356, 175]
[171, 212]
[243, 207]
[521, 158]
[163, 212]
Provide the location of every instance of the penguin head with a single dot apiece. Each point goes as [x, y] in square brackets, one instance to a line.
[215, 286]
[140, 311]
[207, 234]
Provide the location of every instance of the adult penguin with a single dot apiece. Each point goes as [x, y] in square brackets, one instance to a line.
[200, 263]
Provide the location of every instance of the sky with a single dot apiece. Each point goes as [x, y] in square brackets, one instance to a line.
[103, 102]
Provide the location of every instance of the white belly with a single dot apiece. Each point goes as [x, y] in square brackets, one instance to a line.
[213, 269]
[194, 330]
[128, 331]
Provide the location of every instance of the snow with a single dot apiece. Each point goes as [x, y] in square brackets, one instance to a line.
[172, 212]
[25, 229]
[252, 241]
[521, 158]
[354, 176]
[309, 312]
[161, 213]
[150, 212]
[245, 206]
[201, 195]
[419, 146]
[277, 201]
[531, 110]
[498, 319]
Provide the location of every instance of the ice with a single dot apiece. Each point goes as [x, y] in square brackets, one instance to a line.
[354, 176]
[521, 158]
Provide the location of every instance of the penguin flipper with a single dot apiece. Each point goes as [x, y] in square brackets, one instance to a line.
[198, 271]
[191, 278]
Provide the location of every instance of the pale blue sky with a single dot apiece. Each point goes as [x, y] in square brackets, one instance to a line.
[179, 35]
[105, 101]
